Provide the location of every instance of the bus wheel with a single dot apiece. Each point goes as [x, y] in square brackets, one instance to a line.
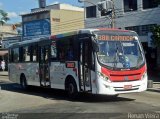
[23, 82]
[72, 89]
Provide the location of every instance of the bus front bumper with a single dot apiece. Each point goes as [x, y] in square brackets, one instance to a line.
[113, 88]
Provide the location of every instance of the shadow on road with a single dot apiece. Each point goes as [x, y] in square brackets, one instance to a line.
[55, 94]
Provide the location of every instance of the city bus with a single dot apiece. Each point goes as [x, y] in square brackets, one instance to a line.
[97, 61]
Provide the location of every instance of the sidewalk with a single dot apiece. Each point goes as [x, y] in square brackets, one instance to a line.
[154, 75]
[3, 73]
[156, 87]
[155, 78]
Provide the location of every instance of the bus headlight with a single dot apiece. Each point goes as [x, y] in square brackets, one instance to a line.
[102, 76]
[144, 76]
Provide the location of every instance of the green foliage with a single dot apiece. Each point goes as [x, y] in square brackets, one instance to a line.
[156, 35]
[3, 17]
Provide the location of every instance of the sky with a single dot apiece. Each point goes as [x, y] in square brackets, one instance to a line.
[16, 7]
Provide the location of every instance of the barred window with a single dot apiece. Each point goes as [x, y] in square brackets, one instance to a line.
[90, 11]
[149, 4]
[130, 5]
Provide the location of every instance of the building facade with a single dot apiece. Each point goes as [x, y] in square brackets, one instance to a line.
[7, 30]
[137, 15]
[52, 20]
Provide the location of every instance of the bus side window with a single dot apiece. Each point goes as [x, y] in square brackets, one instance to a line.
[34, 53]
[60, 49]
[54, 50]
[21, 54]
[70, 55]
[15, 54]
[65, 48]
[11, 52]
[61, 54]
[26, 55]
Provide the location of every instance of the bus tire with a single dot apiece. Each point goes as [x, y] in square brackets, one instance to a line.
[71, 89]
[23, 82]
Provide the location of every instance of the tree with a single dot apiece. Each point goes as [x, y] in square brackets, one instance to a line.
[3, 17]
[156, 41]
[156, 35]
[156, 31]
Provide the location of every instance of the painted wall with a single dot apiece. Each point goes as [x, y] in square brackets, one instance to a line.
[7, 29]
[66, 21]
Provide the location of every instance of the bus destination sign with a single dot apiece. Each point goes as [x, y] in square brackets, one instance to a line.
[119, 38]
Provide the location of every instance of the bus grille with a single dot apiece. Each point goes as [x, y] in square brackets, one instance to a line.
[126, 89]
[122, 89]
[125, 80]
[125, 77]
[125, 74]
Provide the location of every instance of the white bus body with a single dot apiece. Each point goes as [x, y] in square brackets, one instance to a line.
[38, 63]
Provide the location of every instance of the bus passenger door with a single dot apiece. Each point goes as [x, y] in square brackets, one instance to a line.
[44, 65]
[85, 70]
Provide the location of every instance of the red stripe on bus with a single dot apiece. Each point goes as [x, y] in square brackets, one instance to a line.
[127, 75]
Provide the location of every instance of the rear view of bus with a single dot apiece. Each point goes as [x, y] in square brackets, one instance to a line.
[121, 66]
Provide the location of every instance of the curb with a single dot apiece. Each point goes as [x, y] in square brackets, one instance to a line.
[3, 74]
[153, 90]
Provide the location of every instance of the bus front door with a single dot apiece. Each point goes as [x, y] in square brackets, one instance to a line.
[44, 65]
[85, 71]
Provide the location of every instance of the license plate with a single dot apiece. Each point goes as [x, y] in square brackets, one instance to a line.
[127, 86]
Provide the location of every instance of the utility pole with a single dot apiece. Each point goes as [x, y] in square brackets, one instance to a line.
[113, 15]
[110, 11]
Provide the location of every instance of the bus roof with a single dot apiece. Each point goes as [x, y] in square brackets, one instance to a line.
[114, 29]
[64, 34]
[80, 31]
[88, 31]
[27, 42]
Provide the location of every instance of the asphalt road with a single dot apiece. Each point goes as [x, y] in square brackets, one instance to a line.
[48, 103]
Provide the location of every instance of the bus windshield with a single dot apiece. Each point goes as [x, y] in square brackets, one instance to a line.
[120, 54]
